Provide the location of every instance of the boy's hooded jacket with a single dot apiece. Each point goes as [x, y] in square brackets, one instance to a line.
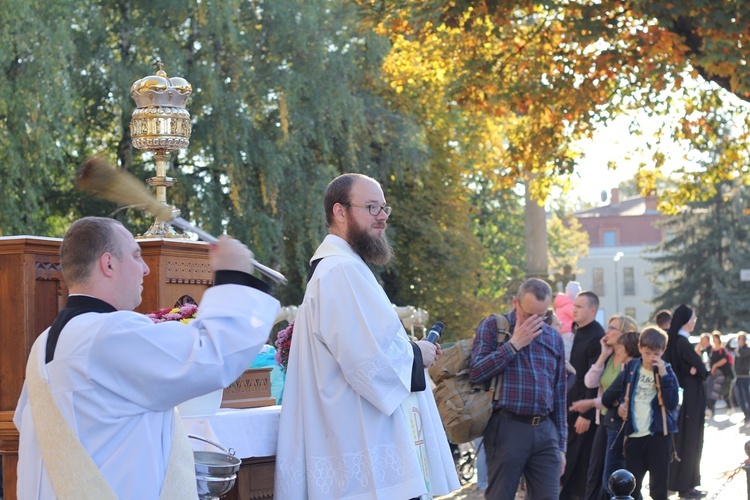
[614, 395]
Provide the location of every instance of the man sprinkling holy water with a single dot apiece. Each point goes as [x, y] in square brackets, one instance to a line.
[357, 421]
[96, 414]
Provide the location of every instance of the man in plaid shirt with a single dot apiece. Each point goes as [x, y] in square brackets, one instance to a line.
[527, 433]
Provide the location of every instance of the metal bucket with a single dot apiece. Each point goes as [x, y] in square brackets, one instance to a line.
[215, 472]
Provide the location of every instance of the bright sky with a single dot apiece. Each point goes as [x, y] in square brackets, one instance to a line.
[613, 143]
[592, 176]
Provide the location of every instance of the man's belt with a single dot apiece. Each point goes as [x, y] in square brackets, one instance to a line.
[526, 419]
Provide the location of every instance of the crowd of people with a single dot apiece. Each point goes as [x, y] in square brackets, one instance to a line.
[576, 400]
[638, 399]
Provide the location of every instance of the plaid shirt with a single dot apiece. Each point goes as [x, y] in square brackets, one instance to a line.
[533, 380]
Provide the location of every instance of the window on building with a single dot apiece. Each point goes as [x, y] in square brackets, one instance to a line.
[628, 278]
[599, 281]
[630, 311]
[609, 238]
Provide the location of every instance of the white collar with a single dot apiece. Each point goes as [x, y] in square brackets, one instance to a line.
[334, 245]
[684, 333]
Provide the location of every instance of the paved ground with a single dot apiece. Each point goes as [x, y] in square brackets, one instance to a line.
[723, 452]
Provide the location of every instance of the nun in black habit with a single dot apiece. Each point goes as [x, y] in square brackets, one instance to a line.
[684, 475]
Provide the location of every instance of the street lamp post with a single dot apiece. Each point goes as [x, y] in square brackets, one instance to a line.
[617, 258]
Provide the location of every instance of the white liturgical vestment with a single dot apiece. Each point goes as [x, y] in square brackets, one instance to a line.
[343, 431]
[116, 378]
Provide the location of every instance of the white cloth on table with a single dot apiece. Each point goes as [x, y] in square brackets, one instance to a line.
[250, 432]
[117, 377]
[342, 432]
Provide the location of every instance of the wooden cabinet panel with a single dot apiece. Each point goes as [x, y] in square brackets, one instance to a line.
[254, 479]
[33, 292]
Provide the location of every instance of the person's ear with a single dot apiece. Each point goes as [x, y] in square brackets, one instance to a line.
[105, 264]
[339, 212]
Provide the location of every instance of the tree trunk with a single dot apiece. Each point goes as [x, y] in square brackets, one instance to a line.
[535, 220]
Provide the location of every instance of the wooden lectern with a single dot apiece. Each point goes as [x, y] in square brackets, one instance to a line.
[34, 292]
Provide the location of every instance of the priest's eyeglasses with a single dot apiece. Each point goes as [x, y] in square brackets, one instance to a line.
[374, 209]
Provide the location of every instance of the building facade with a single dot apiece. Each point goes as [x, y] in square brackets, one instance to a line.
[616, 268]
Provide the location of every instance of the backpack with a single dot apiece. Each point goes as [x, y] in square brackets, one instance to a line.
[465, 407]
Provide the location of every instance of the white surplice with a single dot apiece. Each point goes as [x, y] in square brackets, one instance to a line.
[117, 377]
[342, 432]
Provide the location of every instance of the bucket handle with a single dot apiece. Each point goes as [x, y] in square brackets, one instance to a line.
[229, 451]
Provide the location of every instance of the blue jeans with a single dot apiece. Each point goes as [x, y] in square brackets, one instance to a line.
[742, 393]
[481, 461]
[614, 458]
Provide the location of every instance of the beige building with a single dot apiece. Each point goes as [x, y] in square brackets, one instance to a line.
[616, 268]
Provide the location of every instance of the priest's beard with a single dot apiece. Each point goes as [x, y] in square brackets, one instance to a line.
[370, 248]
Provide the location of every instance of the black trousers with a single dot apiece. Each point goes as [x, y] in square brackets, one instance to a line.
[577, 461]
[649, 454]
[594, 487]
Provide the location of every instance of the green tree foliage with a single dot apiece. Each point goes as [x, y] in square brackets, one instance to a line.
[567, 242]
[718, 132]
[706, 243]
[499, 225]
[286, 95]
[38, 114]
[438, 260]
[699, 263]
[449, 105]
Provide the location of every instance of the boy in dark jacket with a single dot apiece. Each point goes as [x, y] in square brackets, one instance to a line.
[646, 392]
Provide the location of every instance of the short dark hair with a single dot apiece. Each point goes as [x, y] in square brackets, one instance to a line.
[662, 317]
[591, 297]
[338, 191]
[629, 340]
[538, 288]
[84, 242]
[654, 338]
[716, 334]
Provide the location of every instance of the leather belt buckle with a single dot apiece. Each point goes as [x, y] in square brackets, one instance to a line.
[536, 420]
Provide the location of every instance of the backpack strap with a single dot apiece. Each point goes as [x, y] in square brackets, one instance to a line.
[503, 328]
[503, 335]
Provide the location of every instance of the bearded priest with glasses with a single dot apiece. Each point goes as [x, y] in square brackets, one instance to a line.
[358, 420]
